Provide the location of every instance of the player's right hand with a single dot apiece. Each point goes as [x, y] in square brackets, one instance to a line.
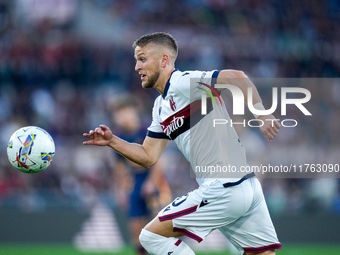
[101, 136]
[271, 126]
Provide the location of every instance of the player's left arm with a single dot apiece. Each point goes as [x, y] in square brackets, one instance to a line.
[239, 79]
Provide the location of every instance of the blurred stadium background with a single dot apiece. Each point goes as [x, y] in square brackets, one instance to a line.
[64, 64]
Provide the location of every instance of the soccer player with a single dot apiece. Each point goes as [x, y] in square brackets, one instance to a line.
[234, 205]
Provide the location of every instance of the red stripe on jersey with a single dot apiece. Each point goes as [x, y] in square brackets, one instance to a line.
[185, 112]
[178, 242]
[178, 214]
[179, 122]
[262, 248]
[188, 234]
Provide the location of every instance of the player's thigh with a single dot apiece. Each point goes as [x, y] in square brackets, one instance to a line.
[163, 228]
[254, 231]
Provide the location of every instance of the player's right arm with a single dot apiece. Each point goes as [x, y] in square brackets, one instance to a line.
[146, 154]
[239, 79]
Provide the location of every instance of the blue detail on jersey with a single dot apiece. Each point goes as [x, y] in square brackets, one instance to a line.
[168, 85]
[214, 78]
[231, 184]
[180, 200]
[157, 135]
[167, 209]
[185, 74]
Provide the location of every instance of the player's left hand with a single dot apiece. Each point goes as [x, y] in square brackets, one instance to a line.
[270, 127]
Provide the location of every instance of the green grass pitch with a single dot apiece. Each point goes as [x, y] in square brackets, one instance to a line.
[30, 249]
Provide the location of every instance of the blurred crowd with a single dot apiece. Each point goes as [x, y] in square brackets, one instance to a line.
[55, 74]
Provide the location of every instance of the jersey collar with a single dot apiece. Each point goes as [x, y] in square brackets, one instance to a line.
[168, 85]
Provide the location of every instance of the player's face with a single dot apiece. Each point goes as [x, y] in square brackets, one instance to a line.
[147, 65]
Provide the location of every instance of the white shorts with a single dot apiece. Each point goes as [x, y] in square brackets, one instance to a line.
[239, 212]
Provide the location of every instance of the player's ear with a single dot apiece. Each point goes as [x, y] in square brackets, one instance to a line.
[165, 60]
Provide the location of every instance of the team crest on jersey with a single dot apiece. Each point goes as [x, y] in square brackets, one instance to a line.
[172, 103]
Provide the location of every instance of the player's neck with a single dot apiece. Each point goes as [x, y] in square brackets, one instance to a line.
[163, 80]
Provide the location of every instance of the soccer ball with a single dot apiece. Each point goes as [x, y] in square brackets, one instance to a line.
[30, 149]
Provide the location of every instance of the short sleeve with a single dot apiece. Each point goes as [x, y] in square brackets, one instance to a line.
[155, 129]
[198, 82]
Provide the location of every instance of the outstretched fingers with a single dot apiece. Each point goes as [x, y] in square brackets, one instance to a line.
[90, 136]
[98, 130]
[100, 136]
[103, 127]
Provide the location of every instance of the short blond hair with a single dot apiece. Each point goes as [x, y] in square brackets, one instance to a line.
[158, 38]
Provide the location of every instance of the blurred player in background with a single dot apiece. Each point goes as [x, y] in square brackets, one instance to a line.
[235, 206]
[144, 190]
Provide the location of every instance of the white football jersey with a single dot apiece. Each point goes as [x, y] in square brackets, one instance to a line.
[213, 152]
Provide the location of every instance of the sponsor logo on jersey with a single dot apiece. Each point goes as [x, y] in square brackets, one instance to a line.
[179, 122]
[175, 124]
